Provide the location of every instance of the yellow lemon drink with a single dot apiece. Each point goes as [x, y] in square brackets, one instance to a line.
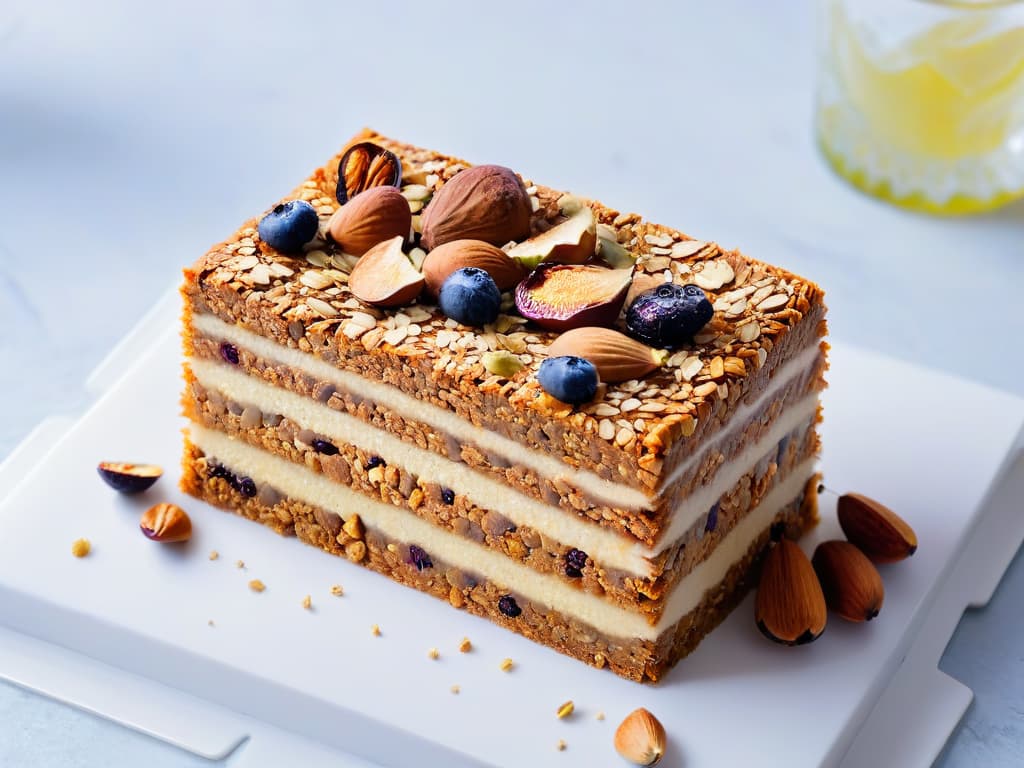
[922, 103]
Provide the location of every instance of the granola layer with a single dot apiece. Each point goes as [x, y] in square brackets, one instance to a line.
[636, 659]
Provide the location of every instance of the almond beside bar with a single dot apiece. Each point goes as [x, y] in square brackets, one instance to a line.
[566, 495]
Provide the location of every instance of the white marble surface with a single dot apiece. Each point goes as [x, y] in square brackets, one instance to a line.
[132, 137]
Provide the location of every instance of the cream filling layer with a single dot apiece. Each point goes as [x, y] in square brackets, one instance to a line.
[303, 484]
[607, 547]
[547, 466]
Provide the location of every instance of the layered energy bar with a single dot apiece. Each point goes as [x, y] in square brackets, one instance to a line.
[578, 424]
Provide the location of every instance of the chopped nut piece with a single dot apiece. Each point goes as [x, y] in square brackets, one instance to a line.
[307, 602]
[80, 547]
[456, 689]
[561, 745]
[599, 716]
[337, 590]
[257, 586]
[434, 654]
[214, 554]
[239, 564]
[507, 664]
[465, 646]
[375, 630]
[566, 709]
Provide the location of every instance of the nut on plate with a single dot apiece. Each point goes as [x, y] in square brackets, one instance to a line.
[456, 254]
[852, 585]
[366, 165]
[384, 276]
[790, 606]
[370, 218]
[616, 356]
[640, 738]
[485, 202]
[166, 523]
[878, 532]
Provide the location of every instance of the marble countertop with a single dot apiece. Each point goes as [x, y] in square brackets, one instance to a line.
[132, 136]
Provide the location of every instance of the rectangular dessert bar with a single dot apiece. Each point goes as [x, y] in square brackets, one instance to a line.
[619, 530]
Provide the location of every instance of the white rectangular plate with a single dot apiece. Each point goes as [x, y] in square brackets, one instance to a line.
[926, 444]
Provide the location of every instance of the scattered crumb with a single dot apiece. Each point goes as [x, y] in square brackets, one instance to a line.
[257, 586]
[465, 646]
[80, 547]
[433, 653]
[507, 665]
[337, 591]
[239, 564]
[561, 745]
[375, 630]
[599, 716]
[307, 602]
[214, 554]
[210, 623]
[566, 709]
[456, 689]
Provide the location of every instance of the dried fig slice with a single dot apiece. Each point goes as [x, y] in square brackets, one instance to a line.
[366, 165]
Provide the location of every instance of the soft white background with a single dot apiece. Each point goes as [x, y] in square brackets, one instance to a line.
[133, 135]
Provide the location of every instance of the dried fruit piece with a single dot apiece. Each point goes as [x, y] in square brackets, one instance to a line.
[486, 202]
[129, 478]
[574, 241]
[367, 165]
[452, 256]
[852, 585]
[564, 296]
[880, 533]
[790, 607]
[384, 276]
[616, 356]
[668, 315]
[640, 738]
[377, 215]
[166, 523]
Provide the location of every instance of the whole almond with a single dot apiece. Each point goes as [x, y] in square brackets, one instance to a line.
[640, 738]
[447, 258]
[486, 202]
[790, 606]
[852, 585]
[369, 218]
[384, 276]
[616, 356]
[166, 523]
[880, 533]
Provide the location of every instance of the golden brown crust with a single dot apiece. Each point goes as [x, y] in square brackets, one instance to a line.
[634, 432]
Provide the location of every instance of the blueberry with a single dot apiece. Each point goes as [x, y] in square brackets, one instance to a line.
[508, 606]
[229, 352]
[374, 462]
[668, 315]
[575, 561]
[447, 495]
[712, 521]
[325, 447]
[470, 296]
[781, 453]
[289, 226]
[419, 558]
[569, 379]
[247, 487]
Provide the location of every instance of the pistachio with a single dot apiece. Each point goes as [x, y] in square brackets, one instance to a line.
[880, 533]
[376, 215]
[486, 202]
[790, 607]
[384, 276]
[852, 585]
[365, 165]
[502, 363]
[167, 523]
[456, 254]
[640, 738]
[616, 356]
[614, 254]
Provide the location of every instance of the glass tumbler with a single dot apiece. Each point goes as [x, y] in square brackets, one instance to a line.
[921, 102]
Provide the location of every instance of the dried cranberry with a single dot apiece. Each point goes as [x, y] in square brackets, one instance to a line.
[419, 558]
[374, 462]
[508, 606]
[575, 562]
[447, 495]
[229, 352]
[325, 447]
[712, 522]
[247, 487]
